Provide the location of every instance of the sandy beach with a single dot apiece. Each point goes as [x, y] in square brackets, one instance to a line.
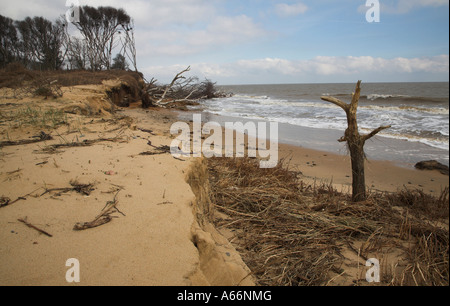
[335, 169]
[152, 238]
[333, 166]
[114, 166]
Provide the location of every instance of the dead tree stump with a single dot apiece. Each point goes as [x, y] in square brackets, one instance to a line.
[355, 142]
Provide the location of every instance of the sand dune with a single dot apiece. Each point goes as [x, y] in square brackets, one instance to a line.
[152, 238]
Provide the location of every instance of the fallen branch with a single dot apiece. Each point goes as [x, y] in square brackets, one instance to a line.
[147, 131]
[84, 189]
[41, 137]
[159, 150]
[5, 201]
[103, 218]
[175, 79]
[85, 143]
[34, 227]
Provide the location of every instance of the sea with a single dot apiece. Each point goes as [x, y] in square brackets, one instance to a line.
[417, 112]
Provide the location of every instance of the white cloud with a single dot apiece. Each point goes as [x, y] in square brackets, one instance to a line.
[183, 27]
[317, 69]
[157, 13]
[405, 6]
[19, 9]
[225, 30]
[290, 10]
[221, 31]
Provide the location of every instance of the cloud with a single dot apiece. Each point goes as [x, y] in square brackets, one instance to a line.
[406, 6]
[317, 69]
[331, 65]
[181, 41]
[155, 13]
[178, 28]
[20, 9]
[225, 30]
[286, 10]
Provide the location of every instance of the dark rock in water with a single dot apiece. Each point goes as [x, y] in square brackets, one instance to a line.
[432, 165]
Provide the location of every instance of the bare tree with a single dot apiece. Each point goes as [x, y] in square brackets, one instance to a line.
[355, 142]
[175, 84]
[99, 27]
[129, 44]
[74, 48]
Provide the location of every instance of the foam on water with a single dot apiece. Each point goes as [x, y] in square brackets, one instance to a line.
[413, 118]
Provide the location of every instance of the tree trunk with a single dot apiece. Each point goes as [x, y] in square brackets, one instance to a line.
[359, 181]
[355, 142]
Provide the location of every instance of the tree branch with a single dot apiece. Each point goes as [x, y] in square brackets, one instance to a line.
[176, 78]
[374, 132]
[337, 102]
[355, 98]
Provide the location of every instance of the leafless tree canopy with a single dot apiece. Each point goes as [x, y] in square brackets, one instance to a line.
[182, 89]
[101, 39]
[99, 27]
[40, 44]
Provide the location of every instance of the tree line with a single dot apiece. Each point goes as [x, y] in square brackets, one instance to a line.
[40, 44]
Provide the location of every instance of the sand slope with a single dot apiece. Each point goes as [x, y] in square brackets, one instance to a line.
[153, 237]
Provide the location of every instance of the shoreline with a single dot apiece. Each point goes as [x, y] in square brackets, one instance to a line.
[158, 235]
[325, 160]
[402, 152]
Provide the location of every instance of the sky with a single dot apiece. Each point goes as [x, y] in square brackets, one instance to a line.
[272, 42]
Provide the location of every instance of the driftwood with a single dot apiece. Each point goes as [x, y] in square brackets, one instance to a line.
[182, 90]
[5, 201]
[85, 143]
[34, 227]
[84, 189]
[355, 141]
[158, 150]
[147, 131]
[102, 218]
[175, 79]
[41, 137]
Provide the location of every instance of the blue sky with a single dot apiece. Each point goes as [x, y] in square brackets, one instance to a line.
[268, 41]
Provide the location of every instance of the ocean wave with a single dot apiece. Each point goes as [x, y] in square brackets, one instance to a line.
[442, 144]
[248, 100]
[416, 123]
[418, 109]
[404, 98]
[373, 97]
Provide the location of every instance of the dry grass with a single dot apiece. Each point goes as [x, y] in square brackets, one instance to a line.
[292, 234]
[18, 76]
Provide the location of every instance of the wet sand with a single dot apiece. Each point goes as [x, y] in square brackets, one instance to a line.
[322, 159]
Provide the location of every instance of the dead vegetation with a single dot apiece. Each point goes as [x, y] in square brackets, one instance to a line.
[84, 189]
[131, 86]
[39, 138]
[103, 218]
[51, 149]
[15, 76]
[293, 234]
